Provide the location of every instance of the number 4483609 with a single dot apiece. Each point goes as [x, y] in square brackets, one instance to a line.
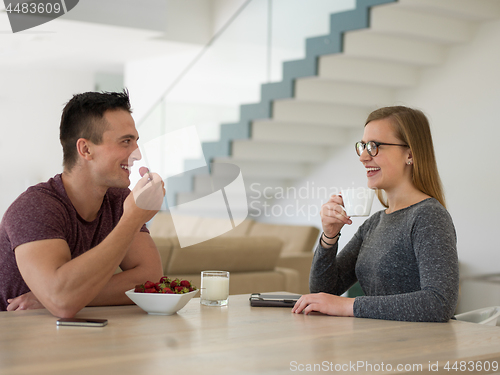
[33, 8]
[473, 366]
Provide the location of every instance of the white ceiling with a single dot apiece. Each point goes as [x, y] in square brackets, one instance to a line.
[105, 34]
[150, 15]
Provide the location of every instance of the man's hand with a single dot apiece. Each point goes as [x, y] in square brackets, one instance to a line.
[145, 200]
[26, 301]
[149, 192]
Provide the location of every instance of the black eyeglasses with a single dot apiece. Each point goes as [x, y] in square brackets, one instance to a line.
[372, 147]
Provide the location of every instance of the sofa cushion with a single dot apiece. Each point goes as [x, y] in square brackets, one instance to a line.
[296, 238]
[243, 229]
[162, 226]
[227, 254]
[164, 246]
[302, 264]
[194, 226]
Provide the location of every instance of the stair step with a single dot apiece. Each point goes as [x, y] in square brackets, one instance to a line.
[395, 19]
[255, 190]
[298, 132]
[186, 197]
[477, 10]
[212, 208]
[324, 90]
[349, 69]
[266, 169]
[202, 184]
[278, 151]
[319, 113]
[371, 45]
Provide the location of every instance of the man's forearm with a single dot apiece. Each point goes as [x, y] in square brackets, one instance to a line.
[141, 263]
[113, 292]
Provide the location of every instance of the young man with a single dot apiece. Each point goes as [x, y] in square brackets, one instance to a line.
[61, 241]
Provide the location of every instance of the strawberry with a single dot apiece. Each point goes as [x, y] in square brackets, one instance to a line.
[165, 280]
[181, 290]
[139, 288]
[185, 283]
[165, 286]
[149, 284]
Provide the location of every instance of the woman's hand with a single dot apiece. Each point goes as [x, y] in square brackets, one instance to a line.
[324, 303]
[333, 216]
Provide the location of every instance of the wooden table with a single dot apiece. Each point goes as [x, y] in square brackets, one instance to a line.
[237, 339]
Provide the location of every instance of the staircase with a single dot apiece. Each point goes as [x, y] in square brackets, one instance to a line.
[371, 52]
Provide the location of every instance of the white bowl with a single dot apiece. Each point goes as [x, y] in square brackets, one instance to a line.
[160, 303]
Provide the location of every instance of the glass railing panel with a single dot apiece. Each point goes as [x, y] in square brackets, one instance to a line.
[225, 74]
[248, 51]
[292, 22]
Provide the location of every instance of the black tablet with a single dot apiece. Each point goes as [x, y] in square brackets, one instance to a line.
[273, 300]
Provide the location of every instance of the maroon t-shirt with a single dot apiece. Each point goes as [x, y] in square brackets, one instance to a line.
[42, 212]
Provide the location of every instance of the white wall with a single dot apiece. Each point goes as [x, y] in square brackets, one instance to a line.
[461, 99]
[30, 106]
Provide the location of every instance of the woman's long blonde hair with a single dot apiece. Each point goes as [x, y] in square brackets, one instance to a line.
[412, 128]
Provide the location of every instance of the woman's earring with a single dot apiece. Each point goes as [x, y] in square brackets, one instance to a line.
[409, 162]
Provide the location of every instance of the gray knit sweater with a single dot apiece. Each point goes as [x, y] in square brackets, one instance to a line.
[406, 263]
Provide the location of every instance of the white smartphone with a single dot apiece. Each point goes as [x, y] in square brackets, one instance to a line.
[82, 322]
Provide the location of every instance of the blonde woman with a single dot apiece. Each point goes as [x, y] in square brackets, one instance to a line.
[404, 257]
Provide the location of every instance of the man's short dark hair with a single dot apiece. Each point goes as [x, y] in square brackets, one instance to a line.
[82, 117]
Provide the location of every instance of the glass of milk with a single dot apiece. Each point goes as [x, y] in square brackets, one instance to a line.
[214, 288]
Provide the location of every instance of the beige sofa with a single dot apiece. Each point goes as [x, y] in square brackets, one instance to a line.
[260, 257]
